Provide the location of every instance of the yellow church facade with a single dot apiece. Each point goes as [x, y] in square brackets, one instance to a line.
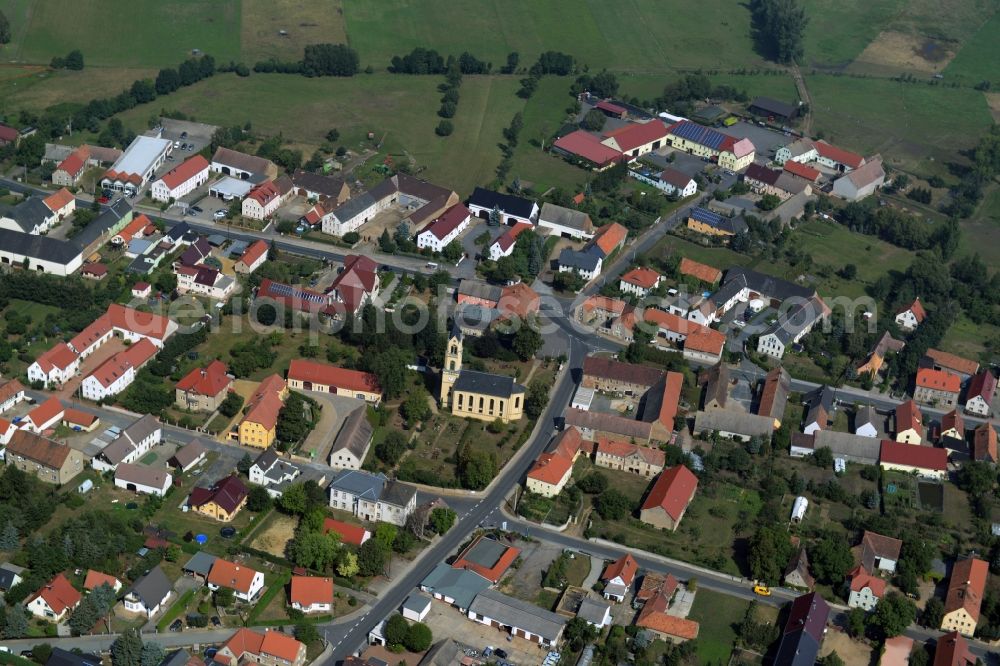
[478, 395]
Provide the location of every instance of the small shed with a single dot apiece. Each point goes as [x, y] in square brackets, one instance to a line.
[799, 509]
[416, 607]
[85, 487]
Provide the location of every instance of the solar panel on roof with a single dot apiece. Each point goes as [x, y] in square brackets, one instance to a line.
[699, 134]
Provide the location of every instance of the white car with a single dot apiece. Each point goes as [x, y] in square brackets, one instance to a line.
[219, 214]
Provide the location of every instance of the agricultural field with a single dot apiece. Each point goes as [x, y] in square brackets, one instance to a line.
[977, 59]
[282, 28]
[981, 232]
[838, 32]
[718, 614]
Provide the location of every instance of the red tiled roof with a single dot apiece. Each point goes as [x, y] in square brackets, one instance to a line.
[967, 586]
[908, 417]
[268, 642]
[951, 650]
[645, 278]
[568, 443]
[588, 147]
[254, 252]
[550, 468]
[610, 107]
[58, 356]
[840, 155]
[75, 161]
[207, 381]
[358, 280]
[802, 170]
[610, 369]
[938, 380]
[9, 389]
[309, 590]
[507, 238]
[95, 579]
[984, 385]
[492, 571]
[238, 577]
[985, 443]
[923, 457]
[625, 567]
[320, 373]
[95, 268]
[612, 305]
[75, 417]
[519, 300]
[8, 134]
[703, 272]
[619, 449]
[673, 491]
[634, 135]
[59, 594]
[140, 323]
[952, 362]
[953, 420]
[860, 579]
[447, 222]
[264, 193]
[706, 340]
[46, 411]
[673, 383]
[609, 237]
[184, 171]
[351, 534]
[654, 616]
[57, 200]
[135, 356]
[917, 309]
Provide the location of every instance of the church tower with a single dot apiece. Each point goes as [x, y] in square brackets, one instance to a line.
[452, 364]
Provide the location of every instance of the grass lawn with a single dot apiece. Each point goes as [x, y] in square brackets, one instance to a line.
[636, 35]
[577, 570]
[719, 615]
[904, 122]
[976, 60]
[969, 339]
[129, 33]
[719, 257]
[543, 115]
[303, 23]
[981, 232]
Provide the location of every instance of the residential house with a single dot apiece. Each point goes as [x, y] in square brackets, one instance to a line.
[55, 366]
[911, 316]
[733, 425]
[520, 618]
[925, 461]
[61, 203]
[487, 557]
[357, 284]
[265, 199]
[822, 403]
[549, 474]
[143, 479]
[350, 486]
[953, 428]
[797, 572]
[69, 171]
[311, 594]
[792, 326]
[54, 600]
[710, 223]
[149, 594]
[984, 443]
[941, 360]
[222, 501]
[879, 552]
[586, 263]
[94, 271]
[142, 290]
[267, 648]
[703, 272]
[861, 182]
[272, 472]
[952, 650]
[774, 392]
[132, 443]
[242, 166]
[245, 582]
[668, 500]
[442, 231]
[865, 590]
[618, 577]
[309, 375]
[204, 389]
[677, 183]
[258, 428]
[188, 456]
[635, 139]
[511, 209]
[655, 619]
[566, 222]
[729, 152]
[49, 461]
[867, 422]
[350, 448]
[625, 456]
[588, 149]
[118, 372]
[354, 535]
[503, 246]
[608, 238]
[10, 575]
[965, 596]
[394, 505]
[937, 388]
[640, 281]
[979, 394]
[180, 181]
[909, 423]
[803, 632]
[252, 258]
[318, 187]
[43, 416]
[204, 281]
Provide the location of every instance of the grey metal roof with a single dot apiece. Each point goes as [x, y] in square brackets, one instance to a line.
[61, 657]
[127, 441]
[354, 207]
[593, 611]
[461, 585]
[328, 186]
[189, 453]
[480, 289]
[362, 484]
[103, 223]
[849, 446]
[499, 386]
[356, 433]
[795, 321]
[586, 261]
[565, 217]
[7, 573]
[516, 613]
[29, 214]
[153, 587]
[39, 247]
[486, 553]
[200, 563]
[398, 494]
[416, 602]
[748, 425]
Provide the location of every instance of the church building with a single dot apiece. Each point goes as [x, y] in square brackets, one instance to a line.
[479, 395]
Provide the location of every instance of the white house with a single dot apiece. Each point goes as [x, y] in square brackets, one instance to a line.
[979, 394]
[566, 222]
[792, 327]
[132, 443]
[503, 246]
[149, 594]
[54, 600]
[416, 607]
[310, 594]
[865, 589]
[639, 281]
[671, 181]
[587, 263]
[861, 182]
[353, 213]
[118, 372]
[511, 209]
[143, 479]
[182, 180]
[270, 471]
[443, 230]
[245, 582]
[911, 316]
[204, 281]
[54, 366]
[265, 199]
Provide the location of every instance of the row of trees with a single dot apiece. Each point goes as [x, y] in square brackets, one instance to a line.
[429, 61]
[899, 228]
[317, 60]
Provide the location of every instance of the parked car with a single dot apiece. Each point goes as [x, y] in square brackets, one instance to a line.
[216, 622]
[500, 653]
[219, 214]
[197, 209]
[184, 135]
[177, 625]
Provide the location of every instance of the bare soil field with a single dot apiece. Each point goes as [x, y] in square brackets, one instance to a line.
[280, 529]
[900, 51]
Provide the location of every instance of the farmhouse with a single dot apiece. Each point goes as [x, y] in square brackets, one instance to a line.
[613, 376]
[309, 375]
[937, 387]
[627, 457]
[953, 427]
[49, 461]
[71, 169]
[941, 360]
[203, 389]
[43, 417]
[587, 148]
[136, 166]
[836, 158]
[317, 187]
[242, 166]
[710, 223]
[966, 588]
[444, 229]
[774, 395]
[803, 171]
[979, 394]
[729, 152]
[353, 440]
[264, 199]
[668, 499]
[860, 182]
[510, 208]
[182, 180]
[566, 222]
[866, 422]
[258, 427]
[635, 139]
[549, 474]
[11, 393]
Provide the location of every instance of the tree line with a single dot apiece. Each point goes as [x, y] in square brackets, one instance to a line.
[317, 60]
[429, 61]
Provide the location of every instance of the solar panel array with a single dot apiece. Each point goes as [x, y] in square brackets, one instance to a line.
[701, 135]
[284, 290]
[706, 216]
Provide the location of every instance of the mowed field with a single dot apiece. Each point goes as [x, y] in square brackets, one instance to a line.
[399, 107]
[979, 59]
[40, 88]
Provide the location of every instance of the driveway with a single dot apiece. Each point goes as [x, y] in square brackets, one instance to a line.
[336, 408]
[766, 141]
